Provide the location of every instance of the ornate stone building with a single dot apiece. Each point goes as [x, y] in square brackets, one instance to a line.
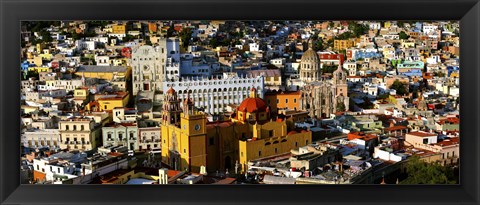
[189, 141]
[320, 96]
[148, 69]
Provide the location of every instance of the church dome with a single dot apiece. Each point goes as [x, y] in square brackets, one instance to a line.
[310, 56]
[171, 91]
[253, 105]
[310, 69]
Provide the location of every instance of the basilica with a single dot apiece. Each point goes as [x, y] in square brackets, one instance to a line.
[189, 142]
[321, 96]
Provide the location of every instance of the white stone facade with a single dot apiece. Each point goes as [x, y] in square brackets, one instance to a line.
[214, 95]
[41, 138]
[148, 68]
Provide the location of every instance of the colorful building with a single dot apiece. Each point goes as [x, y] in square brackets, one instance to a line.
[343, 44]
[283, 100]
[189, 141]
[104, 72]
[107, 102]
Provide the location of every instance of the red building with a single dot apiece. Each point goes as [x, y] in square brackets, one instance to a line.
[333, 58]
[127, 52]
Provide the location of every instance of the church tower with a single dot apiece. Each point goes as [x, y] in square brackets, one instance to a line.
[339, 81]
[171, 108]
[310, 70]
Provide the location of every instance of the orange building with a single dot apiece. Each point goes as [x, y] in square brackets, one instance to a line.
[152, 27]
[283, 100]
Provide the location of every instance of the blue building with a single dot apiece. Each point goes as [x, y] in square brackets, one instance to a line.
[413, 73]
[364, 54]
[452, 69]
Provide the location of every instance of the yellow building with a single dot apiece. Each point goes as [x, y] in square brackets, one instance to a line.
[387, 24]
[104, 72]
[107, 102]
[79, 133]
[183, 134]
[343, 44]
[189, 142]
[119, 29]
[39, 69]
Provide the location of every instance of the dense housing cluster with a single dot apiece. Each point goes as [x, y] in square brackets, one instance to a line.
[232, 102]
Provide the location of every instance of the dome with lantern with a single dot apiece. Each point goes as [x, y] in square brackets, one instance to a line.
[253, 108]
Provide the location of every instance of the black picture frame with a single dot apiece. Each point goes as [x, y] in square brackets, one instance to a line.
[14, 11]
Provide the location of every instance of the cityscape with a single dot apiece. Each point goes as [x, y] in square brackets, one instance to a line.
[240, 102]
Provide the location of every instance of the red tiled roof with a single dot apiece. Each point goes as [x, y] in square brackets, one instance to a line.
[449, 142]
[170, 91]
[398, 127]
[422, 134]
[252, 105]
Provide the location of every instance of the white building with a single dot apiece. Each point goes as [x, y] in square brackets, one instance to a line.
[148, 68]
[85, 45]
[59, 166]
[214, 95]
[67, 85]
[375, 25]
[125, 134]
[37, 138]
[428, 28]
[351, 67]
[192, 66]
[254, 47]
[98, 39]
[102, 60]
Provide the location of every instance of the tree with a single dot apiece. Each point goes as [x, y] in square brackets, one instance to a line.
[403, 35]
[400, 24]
[128, 38]
[331, 24]
[420, 172]
[382, 96]
[32, 74]
[340, 107]
[357, 29]
[328, 69]
[318, 45]
[400, 87]
[344, 36]
[185, 36]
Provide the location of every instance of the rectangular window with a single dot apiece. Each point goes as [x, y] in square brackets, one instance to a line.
[425, 141]
[210, 141]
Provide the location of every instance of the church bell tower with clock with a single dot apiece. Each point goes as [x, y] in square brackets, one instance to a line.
[187, 130]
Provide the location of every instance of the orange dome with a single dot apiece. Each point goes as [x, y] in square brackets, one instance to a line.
[292, 132]
[170, 91]
[253, 105]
